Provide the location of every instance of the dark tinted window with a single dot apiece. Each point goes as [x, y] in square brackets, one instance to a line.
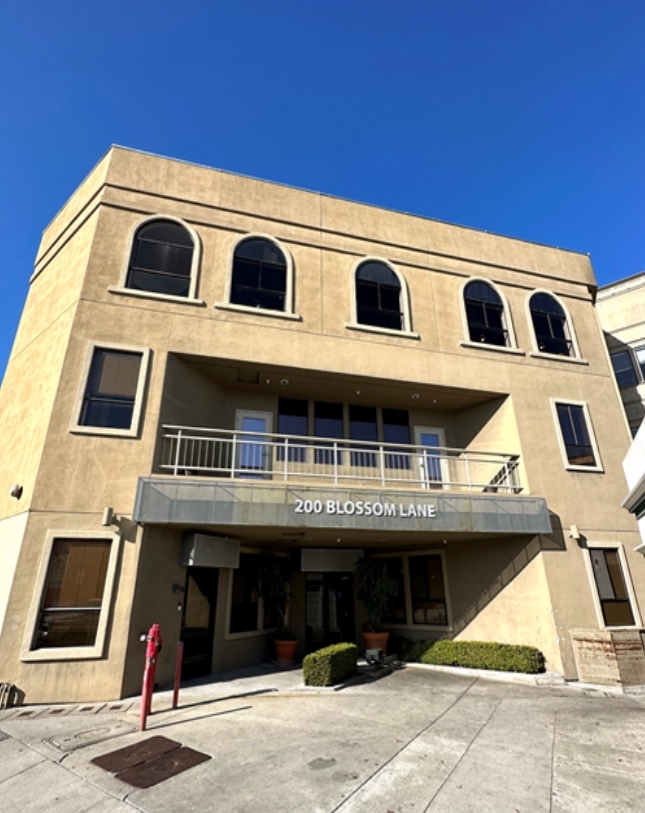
[624, 369]
[575, 434]
[292, 420]
[111, 389]
[246, 594]
[396, 429]
[328, 423]
[485, 314]
[427, 589]
[71, 606]
[259, 275]
[161, 259]
[550, 325]
[362, 426]
[397, 614]
[612, 589]
[378, 296]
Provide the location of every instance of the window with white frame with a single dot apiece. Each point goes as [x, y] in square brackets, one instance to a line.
[485, 314]
[550, 325]
[624, 371]
[161, 259]
[611, 587]
[378, 296]
[259, 277]
[69, 614]
[112, 390]
[576, 439]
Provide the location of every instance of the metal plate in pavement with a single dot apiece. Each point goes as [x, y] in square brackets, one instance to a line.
[162, 767]
[123, 758]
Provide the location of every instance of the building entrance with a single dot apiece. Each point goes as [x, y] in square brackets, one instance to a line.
[330, 609]
[198, 622]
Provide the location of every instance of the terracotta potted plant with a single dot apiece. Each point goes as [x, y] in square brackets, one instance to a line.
[276, 575]
[376, 591]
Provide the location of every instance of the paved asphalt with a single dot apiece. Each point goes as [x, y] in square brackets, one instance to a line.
[415, 741]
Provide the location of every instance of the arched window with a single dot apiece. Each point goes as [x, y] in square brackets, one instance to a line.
[259, 278]
[485, 314]
[550, 325]
[378, 296]
[161, 261]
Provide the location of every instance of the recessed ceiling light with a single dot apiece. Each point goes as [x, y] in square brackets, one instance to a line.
[284, 381]
[415, 396]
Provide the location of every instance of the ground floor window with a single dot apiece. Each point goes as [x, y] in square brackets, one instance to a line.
[246, 595]
[69, 615]
[421, 600]
[248, 611]
[612, 588]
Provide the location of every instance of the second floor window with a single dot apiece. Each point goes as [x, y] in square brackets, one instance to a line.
[111, 389]
[162, 259]
[378, 296]
[259, 277]
[485, 314]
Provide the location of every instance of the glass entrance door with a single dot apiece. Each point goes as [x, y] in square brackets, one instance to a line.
[198, 623]
[330, 609]
[432, 467]
[253, 456]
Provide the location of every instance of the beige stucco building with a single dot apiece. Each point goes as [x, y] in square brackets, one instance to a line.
[234, 367]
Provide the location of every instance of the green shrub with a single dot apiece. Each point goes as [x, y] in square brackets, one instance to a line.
[400, 646]
[329, 665]
[479, 655]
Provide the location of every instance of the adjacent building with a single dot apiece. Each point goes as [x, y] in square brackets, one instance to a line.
[621, 310]
[210, 367]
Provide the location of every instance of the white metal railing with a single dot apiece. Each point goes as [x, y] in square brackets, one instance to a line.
[226, 453]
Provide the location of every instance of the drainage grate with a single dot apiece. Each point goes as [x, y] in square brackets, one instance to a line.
[150, 762]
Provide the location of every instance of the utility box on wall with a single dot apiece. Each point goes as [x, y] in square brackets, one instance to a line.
[610, 657]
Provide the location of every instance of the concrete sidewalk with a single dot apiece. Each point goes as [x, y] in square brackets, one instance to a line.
[414, 741]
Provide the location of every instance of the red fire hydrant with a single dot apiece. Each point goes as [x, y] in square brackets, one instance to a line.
[153, 648]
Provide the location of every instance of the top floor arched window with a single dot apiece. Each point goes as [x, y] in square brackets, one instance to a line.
[379, 296]
[485, 314]
[550, 325]
[259, 275]
[162, 259]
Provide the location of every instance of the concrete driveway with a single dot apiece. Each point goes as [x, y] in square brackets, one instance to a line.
[414, 741]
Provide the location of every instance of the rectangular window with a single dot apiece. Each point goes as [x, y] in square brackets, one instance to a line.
[396, 429]
[328, 423]
[624, 369]
[111, 389]
[362, 426]
[427, 590]
[246, 595]
[612, 590]
[292, 420]
[639, 352]
[398, 613]
[575, 435]
[73, 595]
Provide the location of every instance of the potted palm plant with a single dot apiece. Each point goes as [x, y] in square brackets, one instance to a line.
[377, 591]
[276, 574]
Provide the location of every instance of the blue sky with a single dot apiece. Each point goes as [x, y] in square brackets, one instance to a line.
[522, 118]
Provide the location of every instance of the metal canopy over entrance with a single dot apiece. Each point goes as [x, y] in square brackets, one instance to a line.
[206, 503]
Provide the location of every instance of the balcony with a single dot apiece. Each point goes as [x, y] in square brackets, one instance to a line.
[245, 455]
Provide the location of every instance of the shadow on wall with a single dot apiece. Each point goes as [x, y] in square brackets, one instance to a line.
[499, 571]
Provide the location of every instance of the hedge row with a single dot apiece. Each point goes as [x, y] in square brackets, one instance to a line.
[478, 655]
[329, 665]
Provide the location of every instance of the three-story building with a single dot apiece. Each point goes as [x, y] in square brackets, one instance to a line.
[210, 367]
